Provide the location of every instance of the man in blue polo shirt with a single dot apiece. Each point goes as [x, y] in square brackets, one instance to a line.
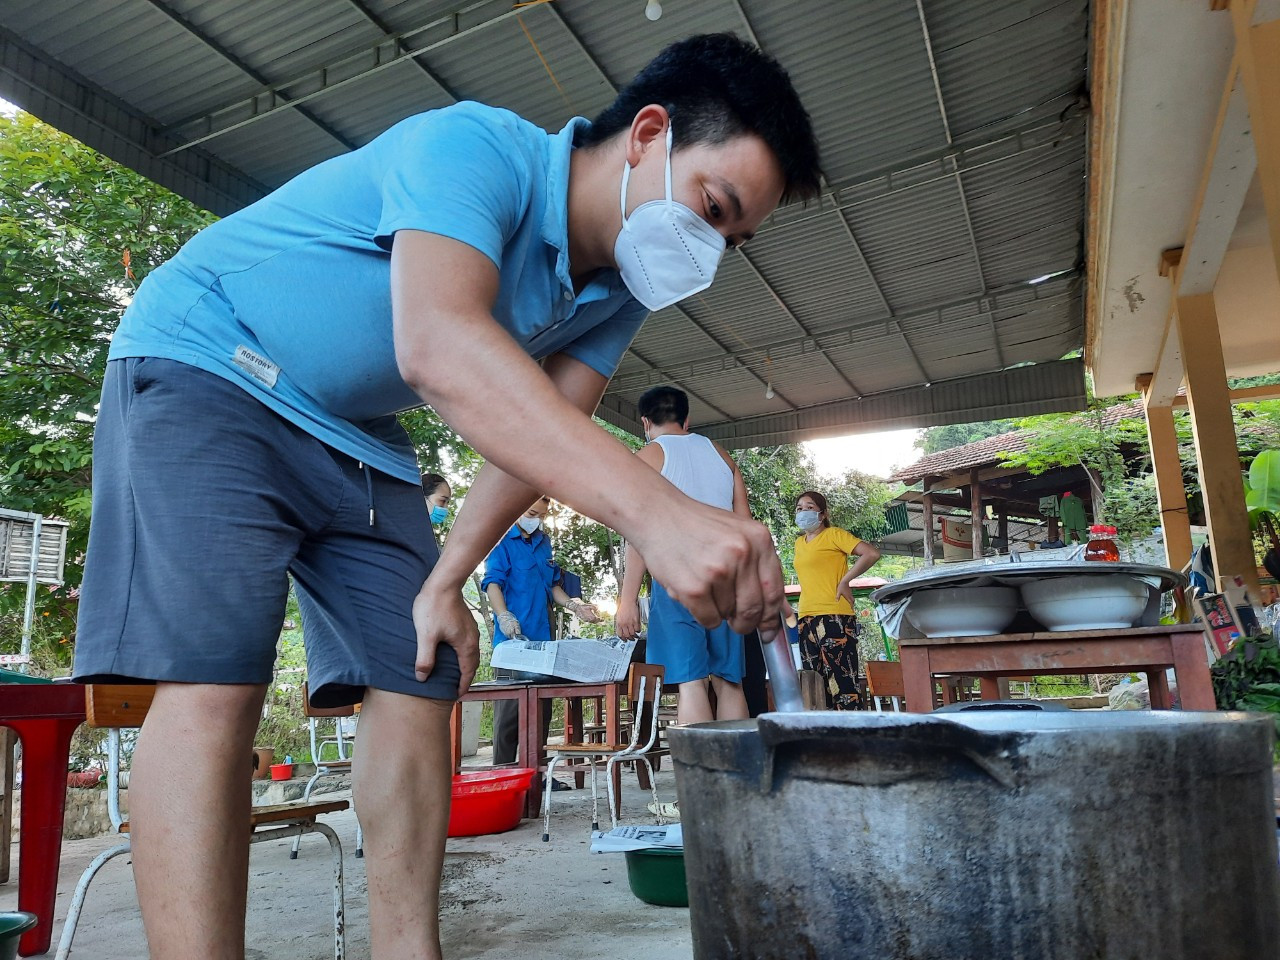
[466, 259]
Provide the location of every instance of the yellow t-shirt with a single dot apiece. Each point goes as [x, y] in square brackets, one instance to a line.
[820, 565]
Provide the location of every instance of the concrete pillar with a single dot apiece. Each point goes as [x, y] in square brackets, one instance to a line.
[1170, 491]
[1209, 402]
[1258, 50]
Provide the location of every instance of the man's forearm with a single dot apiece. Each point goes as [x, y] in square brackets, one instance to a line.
[633, 573]
[607, 483]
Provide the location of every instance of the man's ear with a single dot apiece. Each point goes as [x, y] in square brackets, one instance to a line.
[685, 425]
[649, 126]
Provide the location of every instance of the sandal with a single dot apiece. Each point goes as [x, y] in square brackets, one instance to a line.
[666, 811]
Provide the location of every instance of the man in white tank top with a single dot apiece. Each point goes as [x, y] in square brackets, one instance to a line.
[691, 655]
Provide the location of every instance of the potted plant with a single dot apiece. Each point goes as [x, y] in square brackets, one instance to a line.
[262, 757]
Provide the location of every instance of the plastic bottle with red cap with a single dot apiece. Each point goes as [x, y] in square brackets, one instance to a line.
[1100, 545]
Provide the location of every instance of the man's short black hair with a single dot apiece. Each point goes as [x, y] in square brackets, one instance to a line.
[664, 404]
[716, 87]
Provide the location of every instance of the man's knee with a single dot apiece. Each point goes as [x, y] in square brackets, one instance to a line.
[215, 705]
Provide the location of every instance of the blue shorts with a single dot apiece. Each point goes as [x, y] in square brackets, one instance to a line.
[204, 502]
[685, 648]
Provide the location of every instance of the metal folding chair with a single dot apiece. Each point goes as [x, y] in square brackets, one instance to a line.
[644, 687]
[119, 707]
[342, 743]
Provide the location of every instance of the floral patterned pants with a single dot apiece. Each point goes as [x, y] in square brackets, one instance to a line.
[829, 645]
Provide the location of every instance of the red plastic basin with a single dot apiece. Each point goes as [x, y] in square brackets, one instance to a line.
[489, 801]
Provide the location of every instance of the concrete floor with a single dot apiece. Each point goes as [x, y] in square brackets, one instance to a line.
[506, 895]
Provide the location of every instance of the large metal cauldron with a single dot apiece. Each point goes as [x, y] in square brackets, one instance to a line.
[982, 835]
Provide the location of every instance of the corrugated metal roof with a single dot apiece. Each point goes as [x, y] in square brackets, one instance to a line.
[951, 139]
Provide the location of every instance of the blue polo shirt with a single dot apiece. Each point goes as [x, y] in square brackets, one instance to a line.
[526, 573]
[291, 297]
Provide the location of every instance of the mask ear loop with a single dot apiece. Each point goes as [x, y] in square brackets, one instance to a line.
[622, 202]
[670, 205]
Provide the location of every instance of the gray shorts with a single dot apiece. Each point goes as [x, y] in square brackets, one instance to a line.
[204, 501]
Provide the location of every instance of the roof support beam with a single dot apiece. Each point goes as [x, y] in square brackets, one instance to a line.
[668, 378]
[192, 30]
[1215, 440]
[782, 305]
[1044, 296]
[1015, 392]
[582, 47]
[1162, 384]
[1171, 495]
[1194, 267]
[363, 9]
[63, 98]
[964, 200]
[1037, 135]
[728, 353]
[1223, 184]
[1257, 30]
[346, 70]
[746, 24]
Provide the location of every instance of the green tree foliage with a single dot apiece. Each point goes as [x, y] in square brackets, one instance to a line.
[69, 219]
[937, 439]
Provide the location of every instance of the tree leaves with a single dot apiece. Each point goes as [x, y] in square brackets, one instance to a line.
[66, 215]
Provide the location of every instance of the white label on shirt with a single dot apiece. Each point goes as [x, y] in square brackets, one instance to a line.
[258, 367]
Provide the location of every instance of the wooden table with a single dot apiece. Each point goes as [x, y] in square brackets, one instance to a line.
[531, 752]
[1149, 650]
[44, 715]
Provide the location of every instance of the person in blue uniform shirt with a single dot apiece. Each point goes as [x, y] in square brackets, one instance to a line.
[523, 584]
[467, 259]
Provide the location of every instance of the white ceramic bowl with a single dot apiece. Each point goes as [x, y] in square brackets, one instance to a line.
[962, 611]
[1090, 602]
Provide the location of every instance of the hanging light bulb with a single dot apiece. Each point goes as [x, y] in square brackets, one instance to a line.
[768, 390]
[653, 9]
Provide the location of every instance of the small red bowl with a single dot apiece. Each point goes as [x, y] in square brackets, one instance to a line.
[490, 801]
[282, 771]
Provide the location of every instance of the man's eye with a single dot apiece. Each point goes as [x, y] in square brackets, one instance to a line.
[713, 208]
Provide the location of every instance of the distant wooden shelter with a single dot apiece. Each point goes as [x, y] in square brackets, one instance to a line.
[971, 481]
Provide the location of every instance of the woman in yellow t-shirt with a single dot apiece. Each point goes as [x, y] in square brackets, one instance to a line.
[828, 626]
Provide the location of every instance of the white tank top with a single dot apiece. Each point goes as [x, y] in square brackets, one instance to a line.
[695, 466]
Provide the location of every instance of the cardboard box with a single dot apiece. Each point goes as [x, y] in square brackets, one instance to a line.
[581, 659]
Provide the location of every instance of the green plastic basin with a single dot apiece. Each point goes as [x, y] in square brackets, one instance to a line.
[12, 927]
[657, 877]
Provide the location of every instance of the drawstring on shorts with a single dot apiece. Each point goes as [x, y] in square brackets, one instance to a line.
[368, 485]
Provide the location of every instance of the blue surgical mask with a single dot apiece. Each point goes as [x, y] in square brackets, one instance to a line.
[439, 514]
[529, 524]
[807, 519]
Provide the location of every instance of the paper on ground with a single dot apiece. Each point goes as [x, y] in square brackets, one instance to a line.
[644, 837]
[574, 658]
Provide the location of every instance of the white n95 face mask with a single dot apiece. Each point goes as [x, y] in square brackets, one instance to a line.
[665, 252]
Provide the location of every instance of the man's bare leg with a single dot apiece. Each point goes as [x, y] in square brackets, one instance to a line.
[191, 833]
[402, 782]
[692, 703]
[731, 702]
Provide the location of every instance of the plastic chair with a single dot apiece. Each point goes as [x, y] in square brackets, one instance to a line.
[644, 687]
[119, 707]
[343, 744]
